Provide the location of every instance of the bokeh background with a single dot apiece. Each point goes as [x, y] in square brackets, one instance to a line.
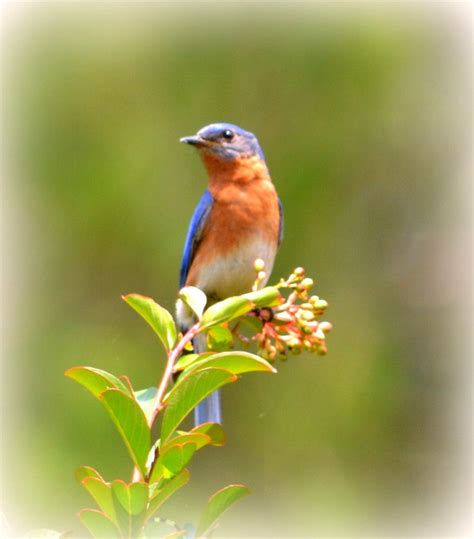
[363, 111]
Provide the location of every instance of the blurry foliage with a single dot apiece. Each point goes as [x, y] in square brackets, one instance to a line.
[360, 127]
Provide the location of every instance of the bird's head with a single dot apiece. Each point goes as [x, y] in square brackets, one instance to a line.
[226, 142]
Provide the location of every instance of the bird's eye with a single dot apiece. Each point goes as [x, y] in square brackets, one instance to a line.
[228, 135]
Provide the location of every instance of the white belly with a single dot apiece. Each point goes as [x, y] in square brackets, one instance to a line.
[235, 274]
[229, 276]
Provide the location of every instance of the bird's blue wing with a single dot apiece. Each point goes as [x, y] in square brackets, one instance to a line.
[281, 227]
[198, 222]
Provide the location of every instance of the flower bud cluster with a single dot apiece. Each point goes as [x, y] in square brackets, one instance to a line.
[295, 326]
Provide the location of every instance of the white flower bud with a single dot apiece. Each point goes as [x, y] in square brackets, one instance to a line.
[325, 327]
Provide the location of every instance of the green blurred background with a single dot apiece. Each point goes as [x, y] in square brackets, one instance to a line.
[362, 112]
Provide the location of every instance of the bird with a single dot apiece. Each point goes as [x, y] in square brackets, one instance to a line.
[238, 219]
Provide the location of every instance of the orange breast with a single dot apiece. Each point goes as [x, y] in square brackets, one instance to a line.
[243, 225]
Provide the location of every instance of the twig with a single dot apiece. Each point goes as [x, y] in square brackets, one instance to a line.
[167, 375]
[288, 303]
[165, 380]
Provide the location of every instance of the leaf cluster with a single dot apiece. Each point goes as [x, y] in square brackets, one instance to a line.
[129, 509]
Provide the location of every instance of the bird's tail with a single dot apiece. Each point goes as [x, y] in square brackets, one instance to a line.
[209, 410]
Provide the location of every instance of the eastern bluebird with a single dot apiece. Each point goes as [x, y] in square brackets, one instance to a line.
[238, 219]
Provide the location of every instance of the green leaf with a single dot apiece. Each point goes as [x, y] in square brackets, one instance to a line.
[218, 503]
[186, 395]
[157, 317]
[101, 492]
[214, 431]
[133, 498]
[225, 311]
[234, 362]
[186, 359]
[96, 380]
[131, 424]
[87, 471]
[169, 488]
[198, 438]
[146, 400]
[172, 461]
[126, 380]
[219, 338]
[131, 502]
[194, 298]
[98, 524]
[235, 307]
[266, 297]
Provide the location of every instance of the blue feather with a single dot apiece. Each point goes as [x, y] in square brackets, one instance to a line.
[209, 409]
[281, 226]
[198, 222]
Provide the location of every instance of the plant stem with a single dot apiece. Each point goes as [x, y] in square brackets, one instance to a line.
[165, 380]
[167, 375]
[288, 303]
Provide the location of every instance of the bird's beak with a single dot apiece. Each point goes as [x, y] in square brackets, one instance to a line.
[194, 140]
